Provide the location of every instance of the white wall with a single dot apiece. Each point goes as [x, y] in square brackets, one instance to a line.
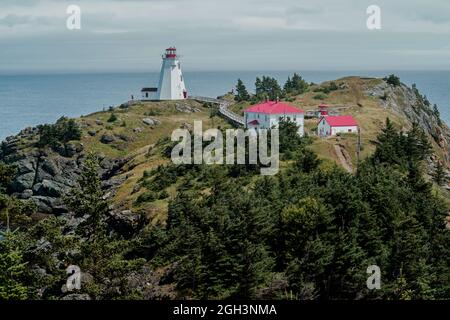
[267, 121]
[324, 129]
[171, 82]
[348, 129]
[151, 96]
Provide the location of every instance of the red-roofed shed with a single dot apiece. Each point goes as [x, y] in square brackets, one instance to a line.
[332, 125]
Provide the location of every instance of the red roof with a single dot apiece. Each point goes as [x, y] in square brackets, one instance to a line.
[323, 105]
[273, 107]
[341, 121]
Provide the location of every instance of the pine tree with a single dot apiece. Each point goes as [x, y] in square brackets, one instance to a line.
[102, 255]
[439, 174]
[299, 86]
[242, 93]
[289, 137]
[288, 85]
[87, 200]
[12, 269]
[387, 144]
[6, 176]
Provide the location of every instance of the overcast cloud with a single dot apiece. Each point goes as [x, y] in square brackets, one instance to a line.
[130, 35]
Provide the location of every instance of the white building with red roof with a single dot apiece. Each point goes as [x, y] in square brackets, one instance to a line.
[268, 115]
[332, 125]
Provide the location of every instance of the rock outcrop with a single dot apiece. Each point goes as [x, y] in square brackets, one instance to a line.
[407, 102]
[45, 175]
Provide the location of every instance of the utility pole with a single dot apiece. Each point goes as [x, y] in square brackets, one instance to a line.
[358, 146]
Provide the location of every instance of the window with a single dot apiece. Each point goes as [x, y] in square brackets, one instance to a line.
[349, 130]
[146, 94]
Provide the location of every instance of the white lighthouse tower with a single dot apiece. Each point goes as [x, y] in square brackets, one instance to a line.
[171, 83]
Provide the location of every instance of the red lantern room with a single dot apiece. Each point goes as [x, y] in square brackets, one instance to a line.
[171, 52]
[323, 109]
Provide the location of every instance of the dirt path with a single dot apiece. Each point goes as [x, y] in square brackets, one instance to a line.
[344, 158]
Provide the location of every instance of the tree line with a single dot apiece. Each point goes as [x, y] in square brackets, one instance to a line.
[268, 88]
[310, 232]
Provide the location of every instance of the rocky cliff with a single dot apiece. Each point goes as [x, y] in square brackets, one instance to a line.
[409, 103]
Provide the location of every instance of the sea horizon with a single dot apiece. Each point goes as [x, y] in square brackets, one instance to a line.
[46, 96]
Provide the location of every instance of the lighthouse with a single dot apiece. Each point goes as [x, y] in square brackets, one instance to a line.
[171, 83]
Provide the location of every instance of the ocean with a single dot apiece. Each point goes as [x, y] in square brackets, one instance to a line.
[29, 100]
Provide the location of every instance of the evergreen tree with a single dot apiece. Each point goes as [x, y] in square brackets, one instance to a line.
[12, 269]
[6, 176]
[87, 200]
[393, 80]
[296, 85]
[439, 174]
[268, 88]
[242, 93]
[288, 85]
[290, 140]
[306, 160]
[102, 254]
[387, 148]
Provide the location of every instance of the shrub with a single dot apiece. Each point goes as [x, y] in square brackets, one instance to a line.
[393, 80]
[147, 196]
[163, 195]
[153, 112]
[63, 131]
[112, 117]
[320, 96]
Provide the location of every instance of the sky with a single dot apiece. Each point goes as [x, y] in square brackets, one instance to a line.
[130, 35]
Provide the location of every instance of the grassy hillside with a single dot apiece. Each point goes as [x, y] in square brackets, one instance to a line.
[142, 227]
[122, 133]
[140, 141]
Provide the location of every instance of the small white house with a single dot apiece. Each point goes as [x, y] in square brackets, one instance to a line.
[149, 93]
[268, 114]
[332, 125]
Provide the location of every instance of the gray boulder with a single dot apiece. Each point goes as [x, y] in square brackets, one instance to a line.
[50, 167]
[106, 139]
[151, 121]
[126, 222]
[49, 188]
[23, 182]
[26, 194]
